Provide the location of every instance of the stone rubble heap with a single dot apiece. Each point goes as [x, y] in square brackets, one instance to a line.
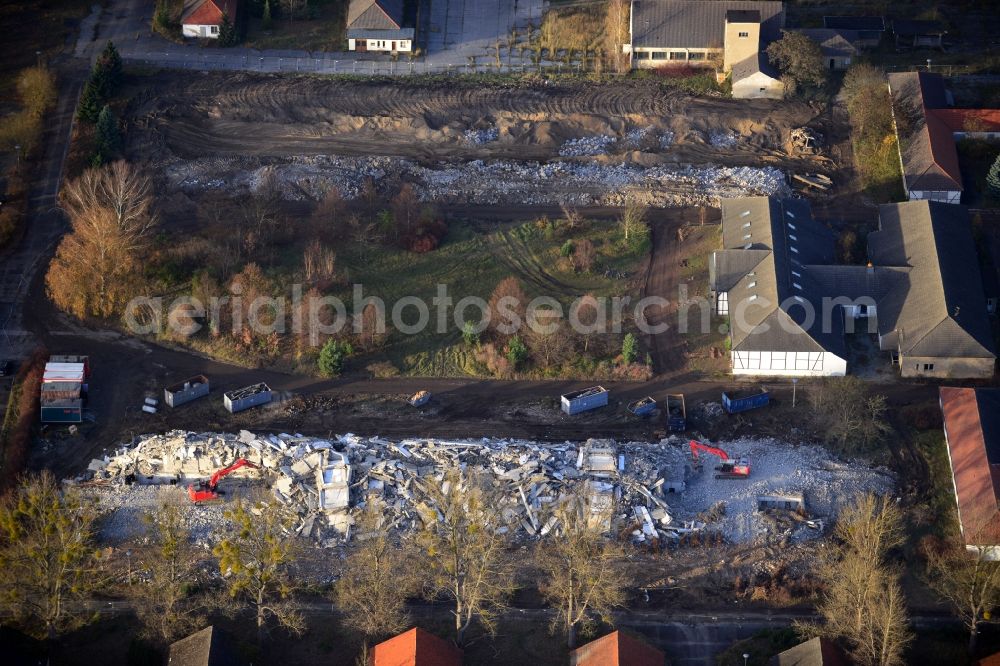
[479, 137]
[586, 146]
[647, 490]
[492, 182]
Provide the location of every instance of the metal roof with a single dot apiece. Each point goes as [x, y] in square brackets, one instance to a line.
[939, 310]
[697, 24]
[833, 43]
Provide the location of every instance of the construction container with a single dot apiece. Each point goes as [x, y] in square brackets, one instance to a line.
[676, 412]
[584, 400]
[743, 400]
[190, 389]
[66, 358]
[247, 397]
[62, 411]
[60, 390]
[642, 407]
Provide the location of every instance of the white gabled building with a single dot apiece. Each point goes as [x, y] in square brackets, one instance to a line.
[761, 282]
[377, 26]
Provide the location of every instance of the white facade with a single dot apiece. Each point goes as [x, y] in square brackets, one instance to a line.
[758, 86]
[384, 45]
[947, 196]
[200, 31]
[788, 364]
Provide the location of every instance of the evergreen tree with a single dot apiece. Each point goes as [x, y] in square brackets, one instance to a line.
[112, 63]
[267, 19]
[227, 32]
[109, 138]
[993, 178]
[332, 356]
[517, 351]
[90, 103]
[630, 349]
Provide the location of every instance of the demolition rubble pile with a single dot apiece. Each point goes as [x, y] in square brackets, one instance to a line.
[492, 182]
[646, 491]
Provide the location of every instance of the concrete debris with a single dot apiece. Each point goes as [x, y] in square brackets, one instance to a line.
[649, 490]
[723, 139]
[587, 146]
[478, 137]
[493, 182]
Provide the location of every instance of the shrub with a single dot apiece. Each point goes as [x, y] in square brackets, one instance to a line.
[566, 249]
[469, 334]
[516, 352]
[37, 88]
[630, 349]
[332, 357]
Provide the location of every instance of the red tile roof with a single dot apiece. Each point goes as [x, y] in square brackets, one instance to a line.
[975, 466]
[209, 12]
[416, 647]
[616, 649]
[959, 120]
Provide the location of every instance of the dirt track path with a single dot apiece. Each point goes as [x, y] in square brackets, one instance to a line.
[667, 349]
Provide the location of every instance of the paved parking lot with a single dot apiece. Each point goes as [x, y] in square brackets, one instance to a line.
[462, 28]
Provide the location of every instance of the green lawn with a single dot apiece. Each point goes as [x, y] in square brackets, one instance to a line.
[471, 263]
[320, 28]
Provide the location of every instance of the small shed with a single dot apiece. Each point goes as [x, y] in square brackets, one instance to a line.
[919, 33]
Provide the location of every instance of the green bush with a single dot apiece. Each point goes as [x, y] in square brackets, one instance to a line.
[566, 249]
[517, 352]
[332, 357]
[630, 349]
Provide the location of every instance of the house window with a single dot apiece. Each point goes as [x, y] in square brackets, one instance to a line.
[763, 89]
[722, 303]
[642, 55]
[744, 34]
[214, 29]
[928, 367]
[678, 55]
[658, 55]
[696, 55]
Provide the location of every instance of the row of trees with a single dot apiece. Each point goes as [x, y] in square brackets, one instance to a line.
[51, 566]
[104, 82]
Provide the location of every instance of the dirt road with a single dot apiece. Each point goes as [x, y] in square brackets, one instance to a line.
[250, 114]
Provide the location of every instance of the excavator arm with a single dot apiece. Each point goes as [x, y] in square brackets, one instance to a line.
[698, 446]
[209, 490]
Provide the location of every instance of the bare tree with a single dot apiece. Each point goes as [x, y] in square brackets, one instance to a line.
[549, 348]
[465, 548]
[582, 573]
[47, 556]
[616, 32]
[863, 603]
[851, 417]
[164, 603]
[969, 581]
[255, 560]
[319, 263]
[507, 306]
[110, 212]
[376, 579]
[584, 256]
[633, 219]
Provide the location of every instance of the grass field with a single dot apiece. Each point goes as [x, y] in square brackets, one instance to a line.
[471, 263]
[321, 28]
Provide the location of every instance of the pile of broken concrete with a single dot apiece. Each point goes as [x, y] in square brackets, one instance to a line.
[326, 482]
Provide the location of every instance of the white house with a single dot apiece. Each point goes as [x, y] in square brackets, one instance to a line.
[203, 18]
[377, 26]
[760, 280]
[727, 35]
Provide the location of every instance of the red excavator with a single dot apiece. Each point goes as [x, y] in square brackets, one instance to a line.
[209, 490]
[729, 469]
